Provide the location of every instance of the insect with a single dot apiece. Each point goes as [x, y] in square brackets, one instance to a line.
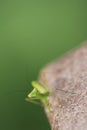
[39, 92]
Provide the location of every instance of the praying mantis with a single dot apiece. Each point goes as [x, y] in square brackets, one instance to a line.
[39, 92]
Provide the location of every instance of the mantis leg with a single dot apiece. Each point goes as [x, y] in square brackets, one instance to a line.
[33, 101]
[46, 102]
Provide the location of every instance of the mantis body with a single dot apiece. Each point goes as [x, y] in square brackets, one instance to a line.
[39, 92]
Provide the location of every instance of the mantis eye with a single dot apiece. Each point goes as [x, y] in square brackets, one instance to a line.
[33, 93]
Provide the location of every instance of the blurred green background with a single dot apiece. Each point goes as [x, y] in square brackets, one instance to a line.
[33, 33]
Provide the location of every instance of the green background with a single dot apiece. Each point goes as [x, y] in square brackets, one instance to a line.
[33, 33]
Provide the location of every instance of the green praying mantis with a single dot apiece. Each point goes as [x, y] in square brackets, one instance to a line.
[39, 92]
